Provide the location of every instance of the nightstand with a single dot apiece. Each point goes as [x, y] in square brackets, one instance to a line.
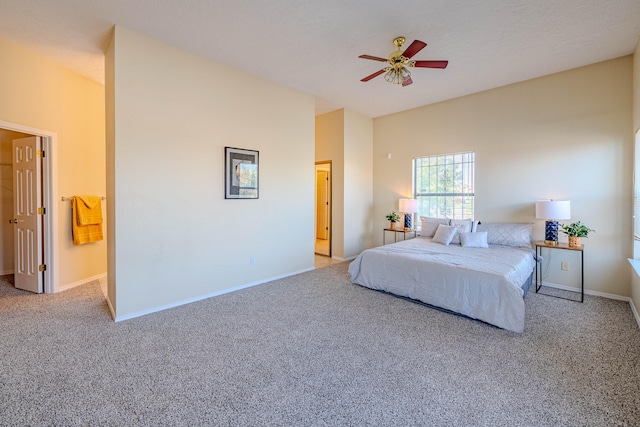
[395, 235]
[565, 247]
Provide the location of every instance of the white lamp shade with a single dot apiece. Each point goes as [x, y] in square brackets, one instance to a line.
[553, 209]
[408, 205]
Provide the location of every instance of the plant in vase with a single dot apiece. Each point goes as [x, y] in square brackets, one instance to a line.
[576, 231]
[393, 218]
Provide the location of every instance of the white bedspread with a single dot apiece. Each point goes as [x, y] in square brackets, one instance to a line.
[481, 283]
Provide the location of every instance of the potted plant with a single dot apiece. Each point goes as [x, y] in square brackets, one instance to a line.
[393, 218]
[576, 231]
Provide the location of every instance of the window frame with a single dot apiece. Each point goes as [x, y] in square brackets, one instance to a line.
[462, 186]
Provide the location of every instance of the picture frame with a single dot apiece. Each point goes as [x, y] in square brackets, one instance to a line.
[241, 173]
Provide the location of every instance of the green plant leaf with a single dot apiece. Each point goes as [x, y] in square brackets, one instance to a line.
[576, 229]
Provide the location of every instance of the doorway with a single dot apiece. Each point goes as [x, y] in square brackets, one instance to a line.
[323, 208]
[45, 233]
[6, 194]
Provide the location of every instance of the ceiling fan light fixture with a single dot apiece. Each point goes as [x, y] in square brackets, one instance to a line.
[391, 75]
[396, 72]
[397, 75]
[404, 74]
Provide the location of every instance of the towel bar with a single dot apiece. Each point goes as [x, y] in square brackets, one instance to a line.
[67, 199]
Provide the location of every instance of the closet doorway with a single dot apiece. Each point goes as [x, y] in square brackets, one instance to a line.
[323, 208]
[32, 260]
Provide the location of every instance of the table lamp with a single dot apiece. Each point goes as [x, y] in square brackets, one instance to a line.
[408, 207]
[552, 211]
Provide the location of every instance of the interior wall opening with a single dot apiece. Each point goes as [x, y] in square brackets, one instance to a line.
[6, 200]
[323, 209]
[48, 235]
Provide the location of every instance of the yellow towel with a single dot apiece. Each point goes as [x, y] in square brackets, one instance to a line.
[86, 214]
[89, 210]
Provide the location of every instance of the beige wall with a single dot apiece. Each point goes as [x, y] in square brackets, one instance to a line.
[563, 136]
[358, 177]
[40, 94]
[175, 237]
[110, 125]
[329, 145]
[636, 89]
[346, 138]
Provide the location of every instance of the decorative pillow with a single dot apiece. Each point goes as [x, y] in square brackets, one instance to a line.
[444, 234]
[464, 226]
[507, 234]
[474, 240]
[430, 225]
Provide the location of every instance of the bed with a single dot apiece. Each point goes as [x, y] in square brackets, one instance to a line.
[485, 283]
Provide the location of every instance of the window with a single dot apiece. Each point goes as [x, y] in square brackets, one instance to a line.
[636, 194]
[444, 185]
[636, 205]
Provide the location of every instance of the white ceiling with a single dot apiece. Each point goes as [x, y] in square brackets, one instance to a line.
[313, 46]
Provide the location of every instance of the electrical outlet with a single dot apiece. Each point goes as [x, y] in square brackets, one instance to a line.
[252, 260]
[564, 266]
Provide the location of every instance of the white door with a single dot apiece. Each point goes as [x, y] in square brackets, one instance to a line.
[27, 175]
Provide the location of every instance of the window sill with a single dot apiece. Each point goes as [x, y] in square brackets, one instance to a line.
[635, 263]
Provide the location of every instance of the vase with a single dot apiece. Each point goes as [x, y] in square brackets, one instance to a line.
[392, 226]
[575, 241]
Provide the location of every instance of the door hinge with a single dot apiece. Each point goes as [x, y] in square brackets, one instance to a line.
[41, 211]
[42, 267]
[40, 153]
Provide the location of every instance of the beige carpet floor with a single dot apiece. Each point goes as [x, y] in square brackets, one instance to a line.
[313, 350]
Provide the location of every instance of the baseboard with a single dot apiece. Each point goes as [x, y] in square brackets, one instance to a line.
[635, 264]
[4, 273]
[339, 258]
[113, 312]
[598, 294]
[98, 277]
[202, 297]
[635, 312]
[104, 285]
[586, 291]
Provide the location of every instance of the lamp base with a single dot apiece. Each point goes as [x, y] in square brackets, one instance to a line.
[551, 232]
[407, 221]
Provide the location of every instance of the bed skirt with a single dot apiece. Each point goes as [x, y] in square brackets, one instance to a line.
[525, 288]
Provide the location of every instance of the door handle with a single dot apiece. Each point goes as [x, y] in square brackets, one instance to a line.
[13, 221]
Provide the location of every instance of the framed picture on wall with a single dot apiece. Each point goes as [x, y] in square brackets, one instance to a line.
[240, 173]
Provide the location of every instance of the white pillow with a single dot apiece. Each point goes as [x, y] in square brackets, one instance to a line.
[508, 234]
[430, 225]
[464, 226]
[474, 240]
[444, 234]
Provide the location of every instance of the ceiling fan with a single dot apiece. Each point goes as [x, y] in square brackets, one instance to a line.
[397, 71]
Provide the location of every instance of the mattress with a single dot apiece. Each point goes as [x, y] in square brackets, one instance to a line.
[481, 283]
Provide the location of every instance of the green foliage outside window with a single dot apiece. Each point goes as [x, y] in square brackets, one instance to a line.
[444, 185]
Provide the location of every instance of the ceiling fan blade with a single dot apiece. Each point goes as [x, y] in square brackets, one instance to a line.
[376, 74]
[414, 48]
[375, 58]
[407, 82]
[431, 64]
